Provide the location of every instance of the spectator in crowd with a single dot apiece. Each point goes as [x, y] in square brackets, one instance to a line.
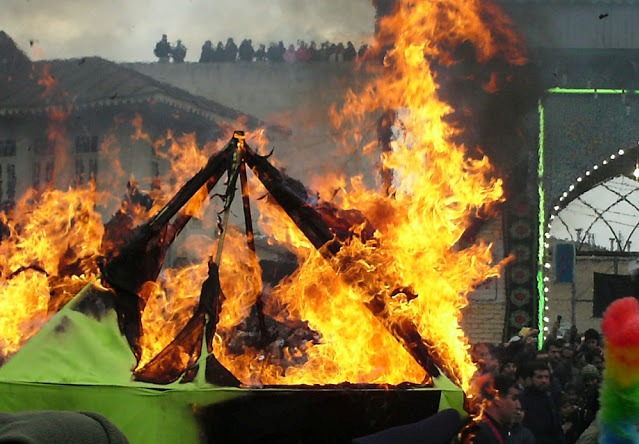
[230, 50]
[289, 54]
[178, 52]
[324, 51]
[281, 49]
[219, 53]
[541, 413]
[260, 54]
[591, 380]
[595, 357]
[163, 50]
[246, 51]
[314, 52]
[522, 376]
[571, 417]
[591, 340]
[484, 355]
[561, 369]
[523, 346]
[275, 52]
[508, 367]
[350, 53]
[361, 52]
[500, 399]
[336, 53]
[519, 433]
[302, 53]
[208, 53]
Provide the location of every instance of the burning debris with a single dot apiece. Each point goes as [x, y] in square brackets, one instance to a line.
[382, 275]
[139, 261]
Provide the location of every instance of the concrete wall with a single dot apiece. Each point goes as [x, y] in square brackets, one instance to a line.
[574, 301]
[551, 24]
[297, 96]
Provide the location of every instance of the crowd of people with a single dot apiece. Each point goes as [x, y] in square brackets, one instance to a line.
[274, 52]
[538, 396]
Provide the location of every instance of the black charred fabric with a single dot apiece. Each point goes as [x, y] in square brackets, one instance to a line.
[302, 213]
[250, 240]
[141, 257]
[162, 369]
[211, 300]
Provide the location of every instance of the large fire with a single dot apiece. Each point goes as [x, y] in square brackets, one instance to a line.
[409, 270]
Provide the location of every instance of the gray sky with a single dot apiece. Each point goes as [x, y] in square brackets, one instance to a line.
[127, 30]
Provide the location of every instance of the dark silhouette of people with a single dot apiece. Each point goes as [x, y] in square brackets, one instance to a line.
[163, 49]
[219, 54]
[273, 53]
[350, 53]
[361, 52]
[208, 53]
[314, 52]
[302, 54]
[230, 50]
[246, 51]
[260, 54]
[178, 52]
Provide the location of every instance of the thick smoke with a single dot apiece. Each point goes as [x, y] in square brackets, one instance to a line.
[491, 101]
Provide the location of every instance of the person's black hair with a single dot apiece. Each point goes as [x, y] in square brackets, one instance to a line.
[536, 365]
[553, 342]
[501, 385]
[506, 359]
[590, 355]
[591, 333]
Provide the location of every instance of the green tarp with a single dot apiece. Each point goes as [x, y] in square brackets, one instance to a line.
[79, 363]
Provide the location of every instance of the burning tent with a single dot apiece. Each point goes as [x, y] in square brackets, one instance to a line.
[370, 314]
[81, 360]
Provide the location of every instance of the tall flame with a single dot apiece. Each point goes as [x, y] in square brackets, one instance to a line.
[437, 189]
[340, 311]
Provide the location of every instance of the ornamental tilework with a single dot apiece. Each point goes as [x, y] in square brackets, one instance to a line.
[520, 241]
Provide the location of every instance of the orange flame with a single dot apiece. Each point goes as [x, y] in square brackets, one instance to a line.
[413, 264]
[437, 189]
[48, 257]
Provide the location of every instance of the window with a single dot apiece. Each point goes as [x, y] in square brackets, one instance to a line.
[8, 177]
[11, 182]
[43, 165]
[85, 169]
[86, 160]
[7, 147]
[42, 173]
[86, 144]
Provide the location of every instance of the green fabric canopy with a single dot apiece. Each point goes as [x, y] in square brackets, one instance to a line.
[79, 363]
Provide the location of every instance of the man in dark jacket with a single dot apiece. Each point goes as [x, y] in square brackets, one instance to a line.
[163, 49]
[541, 413]
[501, 400]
